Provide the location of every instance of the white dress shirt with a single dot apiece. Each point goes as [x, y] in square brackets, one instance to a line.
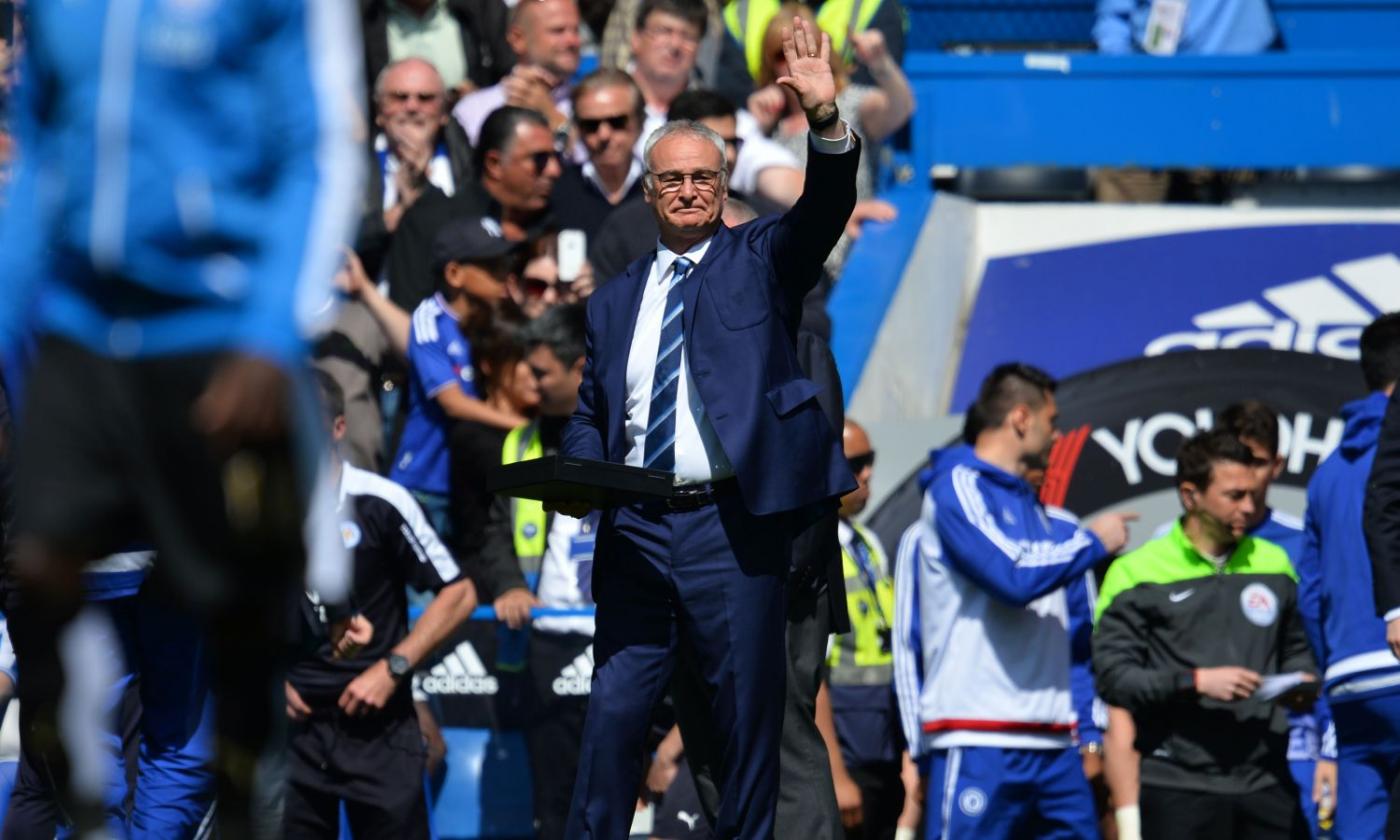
[699, 455]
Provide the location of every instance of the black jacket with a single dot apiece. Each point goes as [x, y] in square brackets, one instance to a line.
[579, 204]
[1382, 516]
[1164, 611]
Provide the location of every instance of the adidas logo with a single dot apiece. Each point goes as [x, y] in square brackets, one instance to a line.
[576, 679]
[459, 672]
[1318, 315]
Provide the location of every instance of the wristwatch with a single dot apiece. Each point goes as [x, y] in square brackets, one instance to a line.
[398, 665]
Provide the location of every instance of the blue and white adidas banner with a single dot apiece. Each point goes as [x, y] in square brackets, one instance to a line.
[1306, 288]
[1073, 287]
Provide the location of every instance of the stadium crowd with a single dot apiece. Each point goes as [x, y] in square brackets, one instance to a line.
[1001, 674]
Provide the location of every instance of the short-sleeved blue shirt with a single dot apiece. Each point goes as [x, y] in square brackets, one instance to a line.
[438, 356]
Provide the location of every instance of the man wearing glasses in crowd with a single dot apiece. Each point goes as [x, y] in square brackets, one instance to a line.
[517, 165]
[609, 113]
[417, 149]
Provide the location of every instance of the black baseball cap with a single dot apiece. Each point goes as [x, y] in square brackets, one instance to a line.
[475, 239]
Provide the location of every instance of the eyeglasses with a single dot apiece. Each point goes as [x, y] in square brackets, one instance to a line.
[862, 462]
[400, 97]
[540, 160]
[536, 287]
[687, 36]
[736, 143]
[704, 180]
[591, 125]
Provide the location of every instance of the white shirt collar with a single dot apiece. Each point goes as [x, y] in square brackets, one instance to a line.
[634, 172]
[665, 256]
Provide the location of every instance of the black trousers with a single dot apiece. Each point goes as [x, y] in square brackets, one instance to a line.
[374, 765]
[1270, 814]
[882, 800]
[107, 456]
[557, 708]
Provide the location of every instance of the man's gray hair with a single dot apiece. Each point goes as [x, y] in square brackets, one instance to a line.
[394, 65]
[694, 129]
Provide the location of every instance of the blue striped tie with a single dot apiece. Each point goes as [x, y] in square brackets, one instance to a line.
[661, 419]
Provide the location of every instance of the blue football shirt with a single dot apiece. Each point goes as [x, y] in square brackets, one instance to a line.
[439, 356]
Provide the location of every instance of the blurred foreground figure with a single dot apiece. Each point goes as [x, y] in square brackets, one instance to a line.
[187, 172]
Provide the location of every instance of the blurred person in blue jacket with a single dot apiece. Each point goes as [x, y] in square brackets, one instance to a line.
[1361, 674]
[187, 172]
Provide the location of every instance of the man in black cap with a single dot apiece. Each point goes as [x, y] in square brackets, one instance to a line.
[473, 261]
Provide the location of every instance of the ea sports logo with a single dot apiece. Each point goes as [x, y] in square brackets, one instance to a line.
[972, 802]
[1259, 604]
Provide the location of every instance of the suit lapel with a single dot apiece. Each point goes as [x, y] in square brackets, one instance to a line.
[690, 292]
[616, 385]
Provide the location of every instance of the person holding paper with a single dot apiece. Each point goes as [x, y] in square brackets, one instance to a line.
[1188, 627]
[692, 369]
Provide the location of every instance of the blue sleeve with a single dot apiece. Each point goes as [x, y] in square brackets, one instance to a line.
[309, 66]
[429, 363]
[583, 436]
[1013, 571]
[23, 226]
[1080, 597]
[907, 641]
[1113, 26]
[1308, 565]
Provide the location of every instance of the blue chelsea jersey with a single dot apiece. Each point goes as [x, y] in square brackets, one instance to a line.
[439, 356]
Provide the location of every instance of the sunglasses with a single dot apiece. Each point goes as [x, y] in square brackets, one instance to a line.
[540, 160]
[536, 287]
[591, 126]
[861, 462]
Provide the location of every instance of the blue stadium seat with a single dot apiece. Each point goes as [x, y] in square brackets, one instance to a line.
[487, 789]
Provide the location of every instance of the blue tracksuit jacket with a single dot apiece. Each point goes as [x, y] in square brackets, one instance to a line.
[1334, 570]
[202, 151]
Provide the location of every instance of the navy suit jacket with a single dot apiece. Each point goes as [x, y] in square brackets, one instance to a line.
[743, 303]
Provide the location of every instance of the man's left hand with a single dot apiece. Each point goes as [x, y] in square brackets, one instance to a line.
[369, 692]
[808, 53]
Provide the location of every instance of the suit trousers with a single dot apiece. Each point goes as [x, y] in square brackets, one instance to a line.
[806, 794]
[709, 584]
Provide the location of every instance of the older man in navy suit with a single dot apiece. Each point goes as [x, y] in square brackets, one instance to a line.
[691, 368]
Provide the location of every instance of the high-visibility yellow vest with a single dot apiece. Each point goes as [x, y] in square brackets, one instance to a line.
[747, 21]
[526, 515]
[861, 657]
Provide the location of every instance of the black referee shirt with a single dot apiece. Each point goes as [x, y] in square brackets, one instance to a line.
[393, 546]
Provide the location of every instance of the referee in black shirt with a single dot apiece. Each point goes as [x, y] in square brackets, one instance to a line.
[355, 737]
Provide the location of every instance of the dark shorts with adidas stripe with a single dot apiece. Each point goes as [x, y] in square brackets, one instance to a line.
[374, 764]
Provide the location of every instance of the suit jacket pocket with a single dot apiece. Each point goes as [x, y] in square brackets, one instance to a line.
[741, 302]
[790, 396]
